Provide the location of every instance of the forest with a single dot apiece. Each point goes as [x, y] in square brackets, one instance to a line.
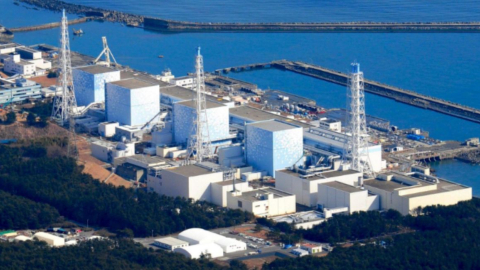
[20, 213]
[114, 254]
[59, 182]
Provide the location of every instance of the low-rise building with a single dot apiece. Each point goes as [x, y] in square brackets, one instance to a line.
[337, 194]
[302, 220]
[265, 202]
[197, 236]
[305, 186]
[50, 239]
[19, 90]
[311, 248]
[170, 243]
[14, 64]
[407, 192]
[185, 81]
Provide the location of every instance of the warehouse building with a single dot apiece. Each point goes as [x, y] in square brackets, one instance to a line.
[407, 192]
[217, 118]
[305, 187]
[245, 114]
[273, 145]
[191, 181]
[337, 194]
[221, 189]
[197, 236]
[170, 243]
[89, 83]
[14, 64]
[264, 202]
[132, 102]
[50, 239]
[209, 250]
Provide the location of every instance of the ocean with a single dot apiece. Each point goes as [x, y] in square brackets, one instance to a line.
[443, 65]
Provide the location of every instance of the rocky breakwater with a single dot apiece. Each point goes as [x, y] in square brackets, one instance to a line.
[5, 34]
[104, 14]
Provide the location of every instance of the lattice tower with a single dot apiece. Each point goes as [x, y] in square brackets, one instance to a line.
[199, 142]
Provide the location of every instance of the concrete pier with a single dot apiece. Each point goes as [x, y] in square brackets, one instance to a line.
[47, 25]
[377, 88]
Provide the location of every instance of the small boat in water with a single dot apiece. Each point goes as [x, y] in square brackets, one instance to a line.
[78, 32]
[160, 56]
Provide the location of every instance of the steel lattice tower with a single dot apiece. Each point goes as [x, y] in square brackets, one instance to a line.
[199, 142]
[357, 147]
[65, 104]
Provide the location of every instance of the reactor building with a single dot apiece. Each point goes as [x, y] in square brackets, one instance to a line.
[132, 102]
[217, 119]
[273, 145]
[89, 83]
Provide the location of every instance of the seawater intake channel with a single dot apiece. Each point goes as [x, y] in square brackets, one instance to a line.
[377, 88]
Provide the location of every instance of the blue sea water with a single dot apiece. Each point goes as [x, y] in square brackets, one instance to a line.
[444, 65]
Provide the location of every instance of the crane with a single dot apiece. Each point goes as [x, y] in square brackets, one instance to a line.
[106, 52]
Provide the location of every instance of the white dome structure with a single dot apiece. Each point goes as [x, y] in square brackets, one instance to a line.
[197, 236]
[209, 250]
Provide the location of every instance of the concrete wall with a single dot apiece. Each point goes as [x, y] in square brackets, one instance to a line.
[219, 192]
[263, 208]
[91, 87]
[200, 186]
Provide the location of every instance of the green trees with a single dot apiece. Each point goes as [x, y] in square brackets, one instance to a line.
[31, 119]
[21, 213]
[60, 183]
[10, 119]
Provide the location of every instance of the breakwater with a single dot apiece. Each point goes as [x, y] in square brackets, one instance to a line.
[159, 24]
[48, 25]
[377, 88]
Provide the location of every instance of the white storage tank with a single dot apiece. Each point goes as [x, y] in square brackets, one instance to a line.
[51, 239]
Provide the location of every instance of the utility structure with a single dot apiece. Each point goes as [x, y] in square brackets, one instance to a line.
[199, 145]
[357, 147]
[106, 52]
[65, 104]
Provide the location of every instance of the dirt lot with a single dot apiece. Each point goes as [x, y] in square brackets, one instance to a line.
[44, 81]
[258, 262]
[248, 231]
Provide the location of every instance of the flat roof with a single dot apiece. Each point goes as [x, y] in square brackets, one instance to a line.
[178, 92]
[252, 195]
[128, 74]
[191, 104]
[8, 45]
[343, 187]
[96, 69]
[273, 125]
[146, 159]
[171, 241]
[389, 186]
[255, 115]
[132, 83]
[323, 175]
[26, 49]
[190, 170]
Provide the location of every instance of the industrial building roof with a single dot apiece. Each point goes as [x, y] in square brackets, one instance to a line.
[171, 241]
[191, 104]
[26, 49]
[128, 74]
[96, 69]
[254, 115]
[389, 186]
[300, 217]
[190, 170]
[256, 195]
[343, 187]
[323, 175]
[178, 92]
[132, 83]
[8, 45]
[147, 160]
[273, 125]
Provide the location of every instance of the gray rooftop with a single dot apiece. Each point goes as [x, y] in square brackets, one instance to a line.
[132, 83]
[178, 92]
[324, 175]
[8, 45]
[252, 195]
[227, 183]
[95, 69]
[128, 74]
[343, 187]
[191, 104]
[254, 115]
[171, 241]
[150, 160]
[190, 170]
[273, 125]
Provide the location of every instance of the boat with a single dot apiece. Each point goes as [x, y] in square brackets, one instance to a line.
[77, 32]
[160, 56]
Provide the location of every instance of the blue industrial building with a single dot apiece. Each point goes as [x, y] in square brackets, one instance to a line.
[132, 102]
[20, 90]
[89, 83]
[273, 145]
[217, 118]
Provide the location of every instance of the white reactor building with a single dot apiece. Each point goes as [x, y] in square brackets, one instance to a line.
[132, 102]
[89, 83]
